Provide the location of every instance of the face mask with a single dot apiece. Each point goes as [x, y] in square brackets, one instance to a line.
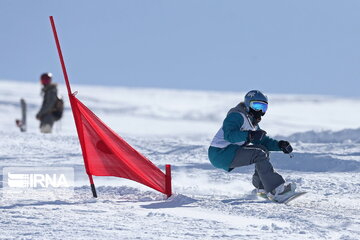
[256, 115]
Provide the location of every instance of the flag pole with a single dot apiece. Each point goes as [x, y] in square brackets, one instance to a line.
[92, 185]
[60, 54]
[168, 189]
[72, 103]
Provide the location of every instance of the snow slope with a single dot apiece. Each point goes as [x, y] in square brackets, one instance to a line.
[175, 127]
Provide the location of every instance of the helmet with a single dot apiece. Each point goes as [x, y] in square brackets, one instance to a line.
[46, 78]
[256, 102]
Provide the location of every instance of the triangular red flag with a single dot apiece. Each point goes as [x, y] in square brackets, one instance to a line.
[107, 154]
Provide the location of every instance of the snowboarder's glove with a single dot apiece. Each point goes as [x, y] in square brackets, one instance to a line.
[285, 146]
[257, 135]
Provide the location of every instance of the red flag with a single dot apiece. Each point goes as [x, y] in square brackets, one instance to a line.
[107, 154]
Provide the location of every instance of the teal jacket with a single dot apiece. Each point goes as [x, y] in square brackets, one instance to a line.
[235, 133]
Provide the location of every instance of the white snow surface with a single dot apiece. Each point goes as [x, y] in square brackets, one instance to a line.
[175, 127]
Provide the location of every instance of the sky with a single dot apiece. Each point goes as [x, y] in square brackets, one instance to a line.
[293, 47]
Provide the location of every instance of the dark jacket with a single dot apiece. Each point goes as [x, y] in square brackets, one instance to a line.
[233, 135]
[50, 97]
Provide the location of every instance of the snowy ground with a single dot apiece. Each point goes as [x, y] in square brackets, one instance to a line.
[175, 127]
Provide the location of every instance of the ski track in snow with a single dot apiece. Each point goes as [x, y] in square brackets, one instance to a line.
[208, 203]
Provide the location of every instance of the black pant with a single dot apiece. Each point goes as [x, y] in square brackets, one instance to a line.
[264, 177]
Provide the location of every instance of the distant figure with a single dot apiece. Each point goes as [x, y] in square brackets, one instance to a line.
[241, 142]
[52, 107]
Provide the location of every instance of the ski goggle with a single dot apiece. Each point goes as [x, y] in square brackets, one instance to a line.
[259, 106]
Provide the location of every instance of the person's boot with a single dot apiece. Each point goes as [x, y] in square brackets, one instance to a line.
[261, 193]
[46, 128]
[284, 191]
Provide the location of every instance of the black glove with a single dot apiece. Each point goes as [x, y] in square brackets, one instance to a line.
[256, 135]
[285, 146]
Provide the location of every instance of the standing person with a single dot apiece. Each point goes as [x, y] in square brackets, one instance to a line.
[49, 108]
[241, 142]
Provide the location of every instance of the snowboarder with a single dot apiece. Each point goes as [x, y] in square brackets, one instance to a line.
[51, 109]
[241, 142]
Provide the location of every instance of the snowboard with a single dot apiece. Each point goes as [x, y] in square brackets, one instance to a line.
[21, 123]
[293, 197]
[287, 200]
